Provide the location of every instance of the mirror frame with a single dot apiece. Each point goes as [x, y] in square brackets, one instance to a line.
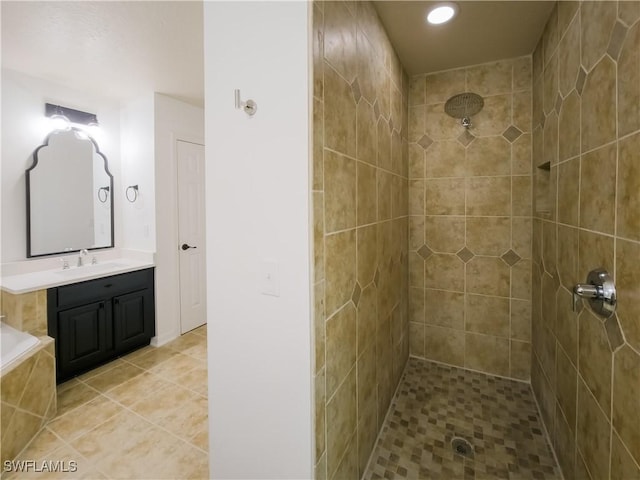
[28, 192]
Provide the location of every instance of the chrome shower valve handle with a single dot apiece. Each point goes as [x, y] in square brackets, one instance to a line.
[599, 290]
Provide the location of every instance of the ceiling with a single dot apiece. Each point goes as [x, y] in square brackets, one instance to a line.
[118, 50]
[123, 49]
[483, 31]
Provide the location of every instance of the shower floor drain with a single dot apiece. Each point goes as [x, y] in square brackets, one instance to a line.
[462, 447]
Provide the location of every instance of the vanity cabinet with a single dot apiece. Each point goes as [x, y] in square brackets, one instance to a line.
[95, 321]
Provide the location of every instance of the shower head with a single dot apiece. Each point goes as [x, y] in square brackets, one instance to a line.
[463, 106]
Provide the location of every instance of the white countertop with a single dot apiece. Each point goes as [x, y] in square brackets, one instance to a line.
[40, 280]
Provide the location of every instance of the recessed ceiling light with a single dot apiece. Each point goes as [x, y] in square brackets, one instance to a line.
[442, 13]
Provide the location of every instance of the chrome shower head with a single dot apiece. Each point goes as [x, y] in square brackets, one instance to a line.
[463, 106]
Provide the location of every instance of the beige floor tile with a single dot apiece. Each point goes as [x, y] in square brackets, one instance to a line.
[152, 358]
[195, 380]
[43, 444]
[182, 412]
[199, 352]
[97, 371]
[73, 396]
[200, 330]
[84, 469]
[84, 418]
[139, 387]
[128, 446]
[114, 377]
[186, 341]
[176, 366]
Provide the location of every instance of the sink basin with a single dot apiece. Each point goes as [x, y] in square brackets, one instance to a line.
[88, 270]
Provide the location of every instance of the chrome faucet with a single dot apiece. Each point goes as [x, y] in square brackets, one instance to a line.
[83, 253]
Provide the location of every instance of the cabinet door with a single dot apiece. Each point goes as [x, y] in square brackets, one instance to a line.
[85, 337]
[133, 319]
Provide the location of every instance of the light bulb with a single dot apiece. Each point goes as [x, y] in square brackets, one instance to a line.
[59, 122]
[442, 13]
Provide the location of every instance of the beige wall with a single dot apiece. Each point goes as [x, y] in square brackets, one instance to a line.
[586, 119]
[360, 238]
[470, 220]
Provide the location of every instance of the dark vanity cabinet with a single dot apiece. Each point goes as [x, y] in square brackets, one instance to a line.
[98, 320]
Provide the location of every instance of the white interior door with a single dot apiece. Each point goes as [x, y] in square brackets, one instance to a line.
[191, 235]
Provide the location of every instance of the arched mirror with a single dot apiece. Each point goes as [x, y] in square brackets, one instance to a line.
[69, 196]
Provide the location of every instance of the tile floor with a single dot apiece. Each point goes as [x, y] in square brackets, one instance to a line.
[142, 416]
[436, 403]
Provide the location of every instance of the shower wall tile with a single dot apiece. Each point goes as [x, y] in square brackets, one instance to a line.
[593, 378]
[362, 261]
[477, 207]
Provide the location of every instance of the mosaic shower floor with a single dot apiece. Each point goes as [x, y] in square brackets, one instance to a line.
[436, 404]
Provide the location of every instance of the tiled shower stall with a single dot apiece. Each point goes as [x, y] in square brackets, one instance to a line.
[461, 246]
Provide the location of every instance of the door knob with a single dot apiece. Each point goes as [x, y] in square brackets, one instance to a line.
[600, 291]
[186, 246]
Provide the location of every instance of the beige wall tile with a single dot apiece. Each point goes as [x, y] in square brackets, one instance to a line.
[318, 143]
[367, 201]
[446, 309]
[320, 421]
[521, 155]
[488, 315]
[488, 156]
[521, 280]
[567, 325]
[522, 73]
[340, 346]
[488, 235]
[550, 146]
[594, 359]
[568, 256]
[367, 252]
[593, 434]
[568, 191]
[444, 272]
[444, 234]
[416, 339]
[366, 377]
[521, 236]
[596, 22]
[629, 83]
[340, 269]
[367, 131]
[599, 104]
[522, 110]
[417, 161]
[521, 195]
[550, 86]
[341, 422]
[628, 203]
[318, 236]
[444, 345]
[439, 125]
[622, 464]
[416, 270]
[569, 127]
[628, 290]
[566, 385]
[487, 276]
[597, 181]
[444, 196]
[594, 251]
[550, 36]
[340, 39]
[441, 86]
[384, 144]
[416, 304]
[490, 196]
[339, 114]
[491, 78]
[416, 197]
[487, 353]
[520, 360]
[417, 90]
[416, 123]
[520, 317]
[340, 192]
[626, 403]
[564, 441]
[494, 118]
[445, 158]
[569, 57]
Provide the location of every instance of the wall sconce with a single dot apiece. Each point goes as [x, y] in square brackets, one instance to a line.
[62, 117]
[131, 193]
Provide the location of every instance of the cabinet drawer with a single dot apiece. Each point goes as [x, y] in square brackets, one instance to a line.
[102, 288]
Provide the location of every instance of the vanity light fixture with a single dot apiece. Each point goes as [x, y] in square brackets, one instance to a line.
[442, 13]
[58, 113]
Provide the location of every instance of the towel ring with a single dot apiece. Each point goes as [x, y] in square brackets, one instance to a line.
[103, 194]
[133, 196]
